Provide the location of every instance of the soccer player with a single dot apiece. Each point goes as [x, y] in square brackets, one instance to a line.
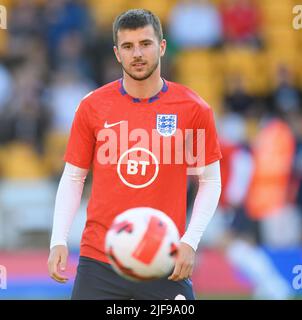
[112, 124]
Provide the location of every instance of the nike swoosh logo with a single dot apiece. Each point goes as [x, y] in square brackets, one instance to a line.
[109, 125]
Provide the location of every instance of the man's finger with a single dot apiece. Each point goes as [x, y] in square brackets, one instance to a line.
[57, 262]
[176, 272]
[58, 277]
[52, 265]
[63, 262]
[53, 271]
[182, 274]
[58, 280]
[185, 272]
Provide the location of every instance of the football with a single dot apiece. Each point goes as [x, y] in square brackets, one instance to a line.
[142, 244]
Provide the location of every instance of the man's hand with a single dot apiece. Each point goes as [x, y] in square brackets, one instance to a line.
[184, 263]
[57, 261]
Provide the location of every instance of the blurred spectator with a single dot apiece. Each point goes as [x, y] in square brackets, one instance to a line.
[273, 153]
[110, 69]
[62, 17]
[240, 237]
[241, 22]
[71, 55]
[66, 90]
[98, 51]
[25, 28]
[195, 23]
[295, 122]
[236, 170]
[237, 99]
[25, 20]
[31, 51]
[286, 96]
[6, 92]
[28, 116]
[6, 84]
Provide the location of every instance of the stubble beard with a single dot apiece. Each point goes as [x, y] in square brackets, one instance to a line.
[143, 77]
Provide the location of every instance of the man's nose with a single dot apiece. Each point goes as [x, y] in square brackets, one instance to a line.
[137, 53]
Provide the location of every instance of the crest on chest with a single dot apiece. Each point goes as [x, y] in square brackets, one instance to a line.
[166, 124]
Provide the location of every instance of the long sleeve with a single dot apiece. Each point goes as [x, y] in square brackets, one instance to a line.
[67, 203]
[205, 204]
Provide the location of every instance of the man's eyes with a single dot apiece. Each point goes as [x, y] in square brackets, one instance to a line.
[145, 44]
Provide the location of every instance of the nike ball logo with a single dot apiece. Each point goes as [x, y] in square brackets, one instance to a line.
[109, 125]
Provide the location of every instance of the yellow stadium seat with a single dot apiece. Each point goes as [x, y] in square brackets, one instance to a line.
[55, 147]
[299, 75]
[273, 3]
[3, 42]
[7, 3]
[277, 58]
[281, 38]
[201, 71]
[248, 63]
[298, 37]
[276, 13]
[197, 63]
[161, 8]
[282, 56]
[104, 11]
[211, 92]
[195, 58]
[11, 3]
[21, 162]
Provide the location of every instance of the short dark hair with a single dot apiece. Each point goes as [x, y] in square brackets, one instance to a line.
[134, 19]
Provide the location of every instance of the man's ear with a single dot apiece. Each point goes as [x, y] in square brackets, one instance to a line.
[163, 46]
[115, 49]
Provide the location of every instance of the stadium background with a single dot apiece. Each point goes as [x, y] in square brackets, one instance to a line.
[242, 56]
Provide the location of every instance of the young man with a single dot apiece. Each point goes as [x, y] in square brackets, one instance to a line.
[114, 123]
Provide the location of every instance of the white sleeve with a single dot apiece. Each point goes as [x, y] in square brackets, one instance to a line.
[240, 177]
[67, 202]
[205, 204]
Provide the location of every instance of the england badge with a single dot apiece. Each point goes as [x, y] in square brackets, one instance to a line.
[166, 124]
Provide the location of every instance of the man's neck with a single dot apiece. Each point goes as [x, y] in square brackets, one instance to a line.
[143, 89]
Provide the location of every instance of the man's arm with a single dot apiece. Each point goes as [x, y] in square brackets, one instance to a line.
[205, 204]
[67, 203]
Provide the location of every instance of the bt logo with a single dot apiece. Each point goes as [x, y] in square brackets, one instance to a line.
[136, 173]
[133, 167]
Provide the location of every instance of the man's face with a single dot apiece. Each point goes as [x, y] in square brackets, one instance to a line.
[139, 51]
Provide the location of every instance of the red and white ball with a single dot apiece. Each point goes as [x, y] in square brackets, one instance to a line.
[142, 244]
